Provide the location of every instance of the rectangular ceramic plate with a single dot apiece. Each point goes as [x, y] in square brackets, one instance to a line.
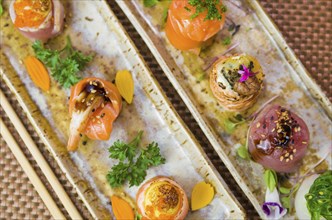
[93, 28]
[285, 77]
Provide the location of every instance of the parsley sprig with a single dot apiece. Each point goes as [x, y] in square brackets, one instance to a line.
[131, 167]
[211, 6]
[64, 64]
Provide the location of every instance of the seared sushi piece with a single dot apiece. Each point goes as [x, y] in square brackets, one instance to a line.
[278, 139]
[37, 19]
[162, 198]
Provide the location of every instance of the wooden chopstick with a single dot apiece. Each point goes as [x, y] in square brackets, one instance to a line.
[30, 172]
[30, 144]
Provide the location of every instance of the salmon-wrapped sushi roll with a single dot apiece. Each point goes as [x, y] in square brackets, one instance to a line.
[37, 19]
[94, 104]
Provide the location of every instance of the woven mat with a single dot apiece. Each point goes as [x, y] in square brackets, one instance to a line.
[307, 27]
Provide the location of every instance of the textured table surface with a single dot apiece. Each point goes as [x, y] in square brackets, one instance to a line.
[306, 26]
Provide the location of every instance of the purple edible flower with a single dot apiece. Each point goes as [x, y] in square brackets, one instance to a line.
[245, 73]
[267, 205]
[272, 206]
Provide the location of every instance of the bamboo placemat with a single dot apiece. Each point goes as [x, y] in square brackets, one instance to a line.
[307, 27]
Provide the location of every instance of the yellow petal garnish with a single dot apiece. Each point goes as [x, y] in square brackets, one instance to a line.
[125, 84]
[201, 195]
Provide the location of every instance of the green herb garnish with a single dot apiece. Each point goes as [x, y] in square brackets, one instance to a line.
[270, 178]
[286, 202]
[289, 192]
[242, 151]
[164, 16]
[187, 9]
[223, 8]
[138, 216]
[131, 167]
[212, 6]
[319, 198]
[232, 122]
[227, 41]
[1, 8]
[150, 3]
[64, 64]
[284, 190]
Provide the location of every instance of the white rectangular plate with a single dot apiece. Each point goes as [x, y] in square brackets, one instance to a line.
[285, 76]
[93, 28]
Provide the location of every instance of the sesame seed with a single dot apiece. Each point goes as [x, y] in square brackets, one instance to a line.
[92, 98]
[94, 83]
[273, 130]
[291, 156]
[90, 82]
[258, 125]
[281, 158]
[83, 100]
[262, 135]
[299, 129]
[287, 160]
[99, 122]
[304, 142]
[287, 154]
[102, 105]
[93, 91]
[294, 151]
[279, 131]
[98, 116]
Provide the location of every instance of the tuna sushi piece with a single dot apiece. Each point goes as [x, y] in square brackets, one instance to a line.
[278, 139]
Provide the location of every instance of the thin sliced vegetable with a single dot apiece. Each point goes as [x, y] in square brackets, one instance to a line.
[125, 84]
[37, 72]
[201, 195]
[121, 209]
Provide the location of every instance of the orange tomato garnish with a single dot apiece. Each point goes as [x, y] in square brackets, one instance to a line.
[185, 32]
[31, 13]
